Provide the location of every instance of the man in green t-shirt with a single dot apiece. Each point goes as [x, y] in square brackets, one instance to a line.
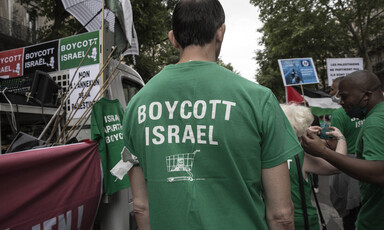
[344, 190]
[212, 146]
[361, 97]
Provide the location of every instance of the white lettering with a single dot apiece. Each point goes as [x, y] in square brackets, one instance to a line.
[214, 103]
[156, 132]
[171, 109]
[201, 134]
[141, 114]
[65, 225]
[147, 136]
[289, 163]
[210, 135]
[196, 109]
[152, 110]
[173, 132]
[182, 111]
[228, 110]
[188, 134]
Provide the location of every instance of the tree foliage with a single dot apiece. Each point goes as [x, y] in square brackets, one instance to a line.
[59, 23]
[152, 20]
[319, 29]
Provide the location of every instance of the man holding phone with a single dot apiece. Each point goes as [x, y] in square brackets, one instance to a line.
[361, 97]
[344, 190]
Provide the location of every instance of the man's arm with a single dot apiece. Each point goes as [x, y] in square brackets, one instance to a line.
[320, 166]
[363, 170]
[140, 197]
[279, 206]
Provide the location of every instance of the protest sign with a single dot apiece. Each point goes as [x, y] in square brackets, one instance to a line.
[340, 67]
[298, 71]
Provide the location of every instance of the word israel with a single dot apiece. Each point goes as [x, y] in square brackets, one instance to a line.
[71, 56]
[200, 109]
[39, 62]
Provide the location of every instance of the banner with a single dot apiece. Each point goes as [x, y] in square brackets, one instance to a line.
[41, 57]
[73, 49]
[11, 63]
[298, 71]
[50, 188]
[340, 67]
[52, 56]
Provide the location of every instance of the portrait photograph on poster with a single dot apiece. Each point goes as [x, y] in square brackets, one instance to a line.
[298, 71]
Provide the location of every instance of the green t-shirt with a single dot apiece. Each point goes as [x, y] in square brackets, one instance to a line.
[106, 129]
[370, 147]
[313, 219]
[349, 127]
[202, 135]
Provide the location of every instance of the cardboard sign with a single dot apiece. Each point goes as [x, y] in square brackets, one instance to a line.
[41, 57]
[298, 71]
[73, 49]
[11, 63]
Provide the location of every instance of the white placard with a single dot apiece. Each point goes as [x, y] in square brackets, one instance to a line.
[340, 67]
[88, 75]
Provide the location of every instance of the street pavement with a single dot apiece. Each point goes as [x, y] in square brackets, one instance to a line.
[330, 215]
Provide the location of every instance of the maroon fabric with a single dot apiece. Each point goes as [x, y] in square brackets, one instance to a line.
[50, 188]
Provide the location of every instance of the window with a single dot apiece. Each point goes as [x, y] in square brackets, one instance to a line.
[130, 89]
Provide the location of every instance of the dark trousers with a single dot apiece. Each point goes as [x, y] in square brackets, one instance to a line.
[315, 179]
[350, 219]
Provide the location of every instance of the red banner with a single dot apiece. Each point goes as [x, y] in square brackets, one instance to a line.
[50, 188]
[11, 63]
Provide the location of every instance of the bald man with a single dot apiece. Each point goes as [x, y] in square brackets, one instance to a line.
[344, 190]
[361, 97]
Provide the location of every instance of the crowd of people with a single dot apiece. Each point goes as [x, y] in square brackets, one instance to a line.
[215, 151]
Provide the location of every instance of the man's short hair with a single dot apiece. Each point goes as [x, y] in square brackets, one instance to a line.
[195, 22]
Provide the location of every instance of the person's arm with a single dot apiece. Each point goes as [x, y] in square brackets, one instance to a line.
[140, 197]
[279, 206]
[320, 166]
[362, 170]
[341, 146]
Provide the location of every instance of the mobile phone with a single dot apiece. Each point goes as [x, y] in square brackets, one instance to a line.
[323, 134]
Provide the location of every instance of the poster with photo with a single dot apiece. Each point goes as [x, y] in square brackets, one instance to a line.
[298, 71]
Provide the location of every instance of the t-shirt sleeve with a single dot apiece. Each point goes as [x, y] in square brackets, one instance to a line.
[373, 137]
[279, 141]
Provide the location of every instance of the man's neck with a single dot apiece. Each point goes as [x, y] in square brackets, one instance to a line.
[198, 53]
[376, 99]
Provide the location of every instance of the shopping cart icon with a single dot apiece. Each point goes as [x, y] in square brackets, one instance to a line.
[181, 163]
